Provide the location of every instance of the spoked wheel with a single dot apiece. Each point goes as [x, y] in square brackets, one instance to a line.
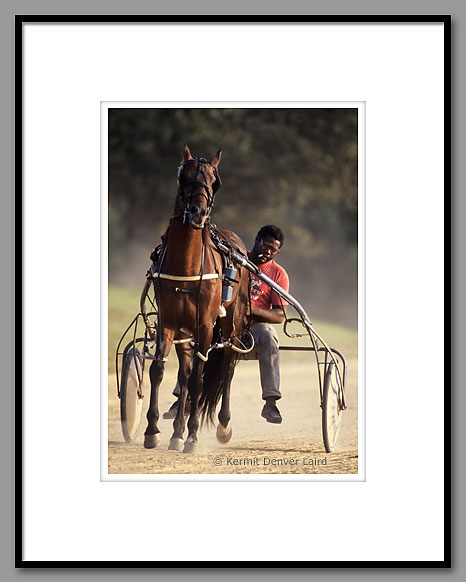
[332, 410]
[131, 397]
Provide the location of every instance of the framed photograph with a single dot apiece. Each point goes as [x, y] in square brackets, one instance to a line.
[276, 145]
[231, 254]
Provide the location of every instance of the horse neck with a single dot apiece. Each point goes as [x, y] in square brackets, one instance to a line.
[184, 249]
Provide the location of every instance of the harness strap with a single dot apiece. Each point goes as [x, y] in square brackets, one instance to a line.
[188, 278]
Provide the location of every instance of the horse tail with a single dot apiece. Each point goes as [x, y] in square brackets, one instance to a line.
[212, 386]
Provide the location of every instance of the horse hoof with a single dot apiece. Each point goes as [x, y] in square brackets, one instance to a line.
[190, 447]
[224, 433]
[151, 441]
[175, 444]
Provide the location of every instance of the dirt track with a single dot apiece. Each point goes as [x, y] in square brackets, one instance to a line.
[295, 446]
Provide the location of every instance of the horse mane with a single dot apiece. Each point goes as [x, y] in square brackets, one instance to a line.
[230, 237]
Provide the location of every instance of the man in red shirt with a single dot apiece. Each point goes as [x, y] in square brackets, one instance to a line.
[267, 308]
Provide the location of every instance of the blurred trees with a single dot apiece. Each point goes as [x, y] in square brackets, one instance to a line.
[296, 168]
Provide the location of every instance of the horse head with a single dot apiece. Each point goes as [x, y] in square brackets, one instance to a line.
[198, 181]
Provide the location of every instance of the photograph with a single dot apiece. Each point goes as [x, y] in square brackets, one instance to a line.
[233, 289]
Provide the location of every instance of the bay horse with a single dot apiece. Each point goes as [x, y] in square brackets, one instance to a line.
[188, 286]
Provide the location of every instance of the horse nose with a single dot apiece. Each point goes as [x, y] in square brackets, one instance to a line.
[196, 209]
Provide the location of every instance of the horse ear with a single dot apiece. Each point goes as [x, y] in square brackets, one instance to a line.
[186, 154]
[216, 159]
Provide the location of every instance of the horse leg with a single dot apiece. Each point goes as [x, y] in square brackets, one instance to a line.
[224, 430]
[233, 322]
[157, 368]
[151, 436]
[194, 388]
[184, 359]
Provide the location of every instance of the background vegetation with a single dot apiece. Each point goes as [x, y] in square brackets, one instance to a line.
[296, 168]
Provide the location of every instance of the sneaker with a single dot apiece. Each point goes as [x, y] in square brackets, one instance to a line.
[171, 412]
[271, 414]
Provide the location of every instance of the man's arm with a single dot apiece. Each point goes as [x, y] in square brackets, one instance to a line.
[274, 315]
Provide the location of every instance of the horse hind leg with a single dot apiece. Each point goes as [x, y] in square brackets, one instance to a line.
[224, 434]
[195, 384]
[224, 430]
[231, 326]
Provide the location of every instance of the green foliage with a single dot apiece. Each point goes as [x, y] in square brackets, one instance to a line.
[296, 168]
[301, 164]
[123, 305]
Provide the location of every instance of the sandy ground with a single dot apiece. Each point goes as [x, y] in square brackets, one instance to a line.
[295, 446]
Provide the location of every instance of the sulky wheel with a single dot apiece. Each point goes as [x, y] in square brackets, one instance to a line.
[332, 411]
[131, 397]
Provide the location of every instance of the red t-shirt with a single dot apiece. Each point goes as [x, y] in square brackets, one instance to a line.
[262, 295]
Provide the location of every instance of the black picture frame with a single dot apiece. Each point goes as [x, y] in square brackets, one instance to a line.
[20, 20]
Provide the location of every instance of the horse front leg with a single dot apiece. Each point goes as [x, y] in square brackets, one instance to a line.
[194, 389]
[184, 358]
[224, 430]
[156, 371]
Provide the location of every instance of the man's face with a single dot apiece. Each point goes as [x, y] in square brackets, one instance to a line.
[265, 249]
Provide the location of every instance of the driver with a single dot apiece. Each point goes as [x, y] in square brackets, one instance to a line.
[267, 308]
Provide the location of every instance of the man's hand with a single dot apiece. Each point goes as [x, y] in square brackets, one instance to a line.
[274, 315]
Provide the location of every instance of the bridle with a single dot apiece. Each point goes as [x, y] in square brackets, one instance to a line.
[209, 192]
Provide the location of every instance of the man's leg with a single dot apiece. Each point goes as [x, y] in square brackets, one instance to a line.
[266, 341]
